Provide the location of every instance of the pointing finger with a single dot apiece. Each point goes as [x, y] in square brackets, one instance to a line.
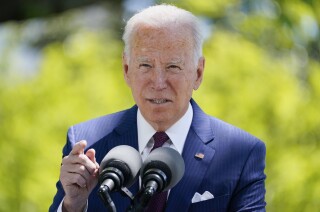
[78, 148]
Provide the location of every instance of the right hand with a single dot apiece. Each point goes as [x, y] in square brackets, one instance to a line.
[78, 176]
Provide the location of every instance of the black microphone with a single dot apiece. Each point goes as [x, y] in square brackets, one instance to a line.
[118, 169]
[162, 170]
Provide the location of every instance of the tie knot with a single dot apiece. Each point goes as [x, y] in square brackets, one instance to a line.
[159, 139]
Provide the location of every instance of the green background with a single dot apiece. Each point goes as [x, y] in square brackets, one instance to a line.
[262, 74]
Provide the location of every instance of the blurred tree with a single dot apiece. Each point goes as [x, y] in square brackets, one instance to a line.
[280, 27]
[21, 10]
[78, 78]
[261, 95]
[75, 82]
[262, 74]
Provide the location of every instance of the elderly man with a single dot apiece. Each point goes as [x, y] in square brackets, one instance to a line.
[163, 64]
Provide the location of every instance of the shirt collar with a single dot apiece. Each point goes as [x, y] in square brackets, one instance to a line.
[177, 132]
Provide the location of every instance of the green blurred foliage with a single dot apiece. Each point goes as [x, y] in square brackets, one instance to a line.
[261, 95]
[262, 74]
[79, 79]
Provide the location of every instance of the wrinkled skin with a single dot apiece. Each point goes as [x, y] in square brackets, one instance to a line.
[161, 73]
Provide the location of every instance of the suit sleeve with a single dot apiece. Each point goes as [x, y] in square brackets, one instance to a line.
[250, 191]
[60, 192]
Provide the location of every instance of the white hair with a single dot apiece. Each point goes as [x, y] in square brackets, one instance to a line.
[163, 16]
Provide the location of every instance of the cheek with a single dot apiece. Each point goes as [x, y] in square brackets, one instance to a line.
[138, 84]
[183, 86]
[190, 84]
[190, 79]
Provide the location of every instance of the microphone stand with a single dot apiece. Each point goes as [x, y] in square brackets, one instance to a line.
[103, 192]
[141, 200]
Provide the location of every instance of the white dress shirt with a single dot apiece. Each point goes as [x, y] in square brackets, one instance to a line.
[177, 134]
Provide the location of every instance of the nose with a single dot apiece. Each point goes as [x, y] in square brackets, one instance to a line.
[159, 79]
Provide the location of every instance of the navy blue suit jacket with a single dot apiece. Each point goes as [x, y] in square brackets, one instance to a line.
[232, 168]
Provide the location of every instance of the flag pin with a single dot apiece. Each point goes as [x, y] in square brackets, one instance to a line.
[199, 155]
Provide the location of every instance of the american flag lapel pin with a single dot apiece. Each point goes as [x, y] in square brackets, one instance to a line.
[199, 155]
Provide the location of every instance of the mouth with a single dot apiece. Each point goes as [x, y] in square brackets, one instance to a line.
[159, 101]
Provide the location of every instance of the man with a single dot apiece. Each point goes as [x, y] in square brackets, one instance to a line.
[163, 64]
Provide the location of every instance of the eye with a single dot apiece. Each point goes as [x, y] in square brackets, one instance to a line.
[174, 68]
[145, 65]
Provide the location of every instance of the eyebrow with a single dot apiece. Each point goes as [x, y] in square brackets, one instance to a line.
[143, 59]
[176, 60]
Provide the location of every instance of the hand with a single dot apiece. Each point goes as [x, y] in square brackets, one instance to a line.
[78, 176]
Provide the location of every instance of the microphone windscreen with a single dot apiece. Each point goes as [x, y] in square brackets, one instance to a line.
[171, 158]
[127, 154]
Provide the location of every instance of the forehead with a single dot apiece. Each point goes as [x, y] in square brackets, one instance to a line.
[161, 39]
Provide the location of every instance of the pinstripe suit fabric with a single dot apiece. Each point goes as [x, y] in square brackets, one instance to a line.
[232, 168]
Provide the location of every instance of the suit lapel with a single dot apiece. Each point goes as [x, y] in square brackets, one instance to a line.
[127, 134]
[124, 134]
[200, 134]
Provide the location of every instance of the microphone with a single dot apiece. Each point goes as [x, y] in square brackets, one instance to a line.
[164, 166]
[118, 169]
[162, 170]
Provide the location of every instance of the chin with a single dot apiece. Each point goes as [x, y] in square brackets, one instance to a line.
[158, 118]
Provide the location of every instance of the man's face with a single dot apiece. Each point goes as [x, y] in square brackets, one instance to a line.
[161, 74]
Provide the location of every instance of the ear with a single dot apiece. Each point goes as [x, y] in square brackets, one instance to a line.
[125, 68]
[200, 70]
